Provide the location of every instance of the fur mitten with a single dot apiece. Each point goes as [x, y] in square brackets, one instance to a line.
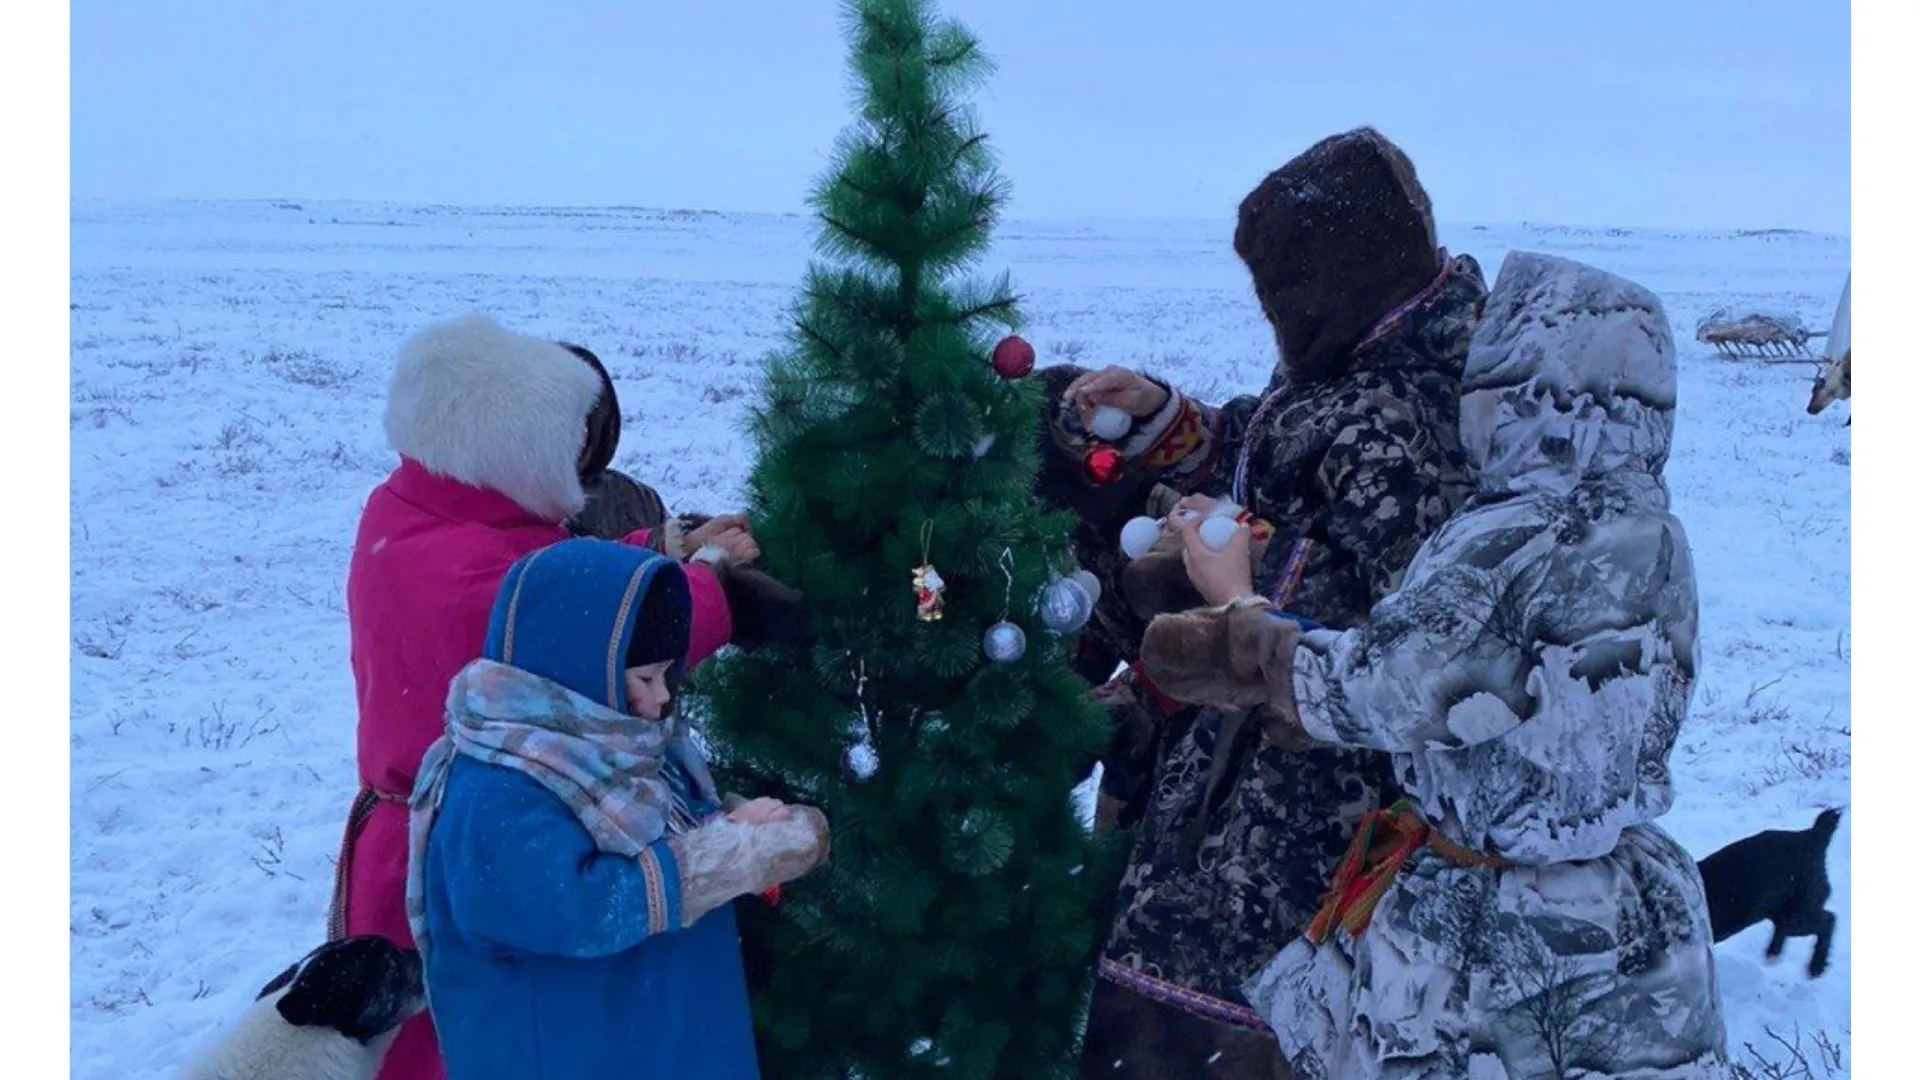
[764, 611]
[725, 859]
[1238, 656]
[1157, 583]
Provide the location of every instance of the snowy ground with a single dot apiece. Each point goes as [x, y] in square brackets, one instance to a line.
[228, 367]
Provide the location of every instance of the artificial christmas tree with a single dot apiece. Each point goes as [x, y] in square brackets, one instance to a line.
[930, 711]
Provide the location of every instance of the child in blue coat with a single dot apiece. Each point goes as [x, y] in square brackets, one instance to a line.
[572, 873]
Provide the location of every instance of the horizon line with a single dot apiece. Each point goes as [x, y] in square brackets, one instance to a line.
[293, 202]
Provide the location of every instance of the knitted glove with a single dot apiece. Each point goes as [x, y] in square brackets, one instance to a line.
[724, 859]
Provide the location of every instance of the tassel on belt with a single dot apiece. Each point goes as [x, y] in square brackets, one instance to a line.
[1381, 847]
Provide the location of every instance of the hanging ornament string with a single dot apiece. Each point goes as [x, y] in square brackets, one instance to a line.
[860, 697]
[862, 758]
[1006, 567]
[1050, 560]
[929, 588]
[1004, 641]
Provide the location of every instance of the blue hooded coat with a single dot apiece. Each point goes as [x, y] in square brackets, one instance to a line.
[551, 959]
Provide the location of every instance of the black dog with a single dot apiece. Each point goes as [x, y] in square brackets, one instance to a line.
[1780, 876]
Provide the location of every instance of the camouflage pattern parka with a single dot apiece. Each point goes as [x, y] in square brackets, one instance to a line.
[1529, 676]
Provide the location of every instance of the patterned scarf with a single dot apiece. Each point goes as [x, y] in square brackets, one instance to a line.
[630, 781]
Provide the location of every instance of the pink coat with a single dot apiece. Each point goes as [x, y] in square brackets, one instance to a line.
[429, 556]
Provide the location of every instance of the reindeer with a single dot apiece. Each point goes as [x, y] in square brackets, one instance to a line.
[1833, 374]
[1832, 381]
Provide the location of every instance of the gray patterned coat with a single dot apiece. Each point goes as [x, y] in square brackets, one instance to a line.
[1240, 831]
[1529, 676]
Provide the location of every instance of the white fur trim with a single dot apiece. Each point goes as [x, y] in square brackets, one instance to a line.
[673, 541]
[484, 405]
[710, 554]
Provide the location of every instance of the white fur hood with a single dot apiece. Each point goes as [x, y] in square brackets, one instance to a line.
[476, 402]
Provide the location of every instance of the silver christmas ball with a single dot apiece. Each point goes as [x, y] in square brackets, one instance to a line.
[1088, 582]
[1065, 605]
[861, 761]
[1004, 642]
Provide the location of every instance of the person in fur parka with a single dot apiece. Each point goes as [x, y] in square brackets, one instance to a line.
[619, 506]
[616, 504]
[492, 430]
[1346, 461]
[1520, 914]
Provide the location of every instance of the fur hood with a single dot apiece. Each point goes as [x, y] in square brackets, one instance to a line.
[1334, 239]
[484, 405]
[1571, 376]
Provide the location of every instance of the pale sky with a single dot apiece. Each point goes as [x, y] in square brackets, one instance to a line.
[1680, 113]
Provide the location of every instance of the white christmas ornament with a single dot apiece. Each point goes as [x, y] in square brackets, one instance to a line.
[1004, 642]
[1138, 536]
[1217, 532]
[1110, 423]
[862, 761]
[1088, 582]
[1065, 606]
[981, 445]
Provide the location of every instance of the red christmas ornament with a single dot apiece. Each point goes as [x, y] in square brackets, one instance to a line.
[772, 896]
[1013, 357]
[1104, 464]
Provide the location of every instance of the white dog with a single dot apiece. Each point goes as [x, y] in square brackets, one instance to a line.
[331, 1016]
